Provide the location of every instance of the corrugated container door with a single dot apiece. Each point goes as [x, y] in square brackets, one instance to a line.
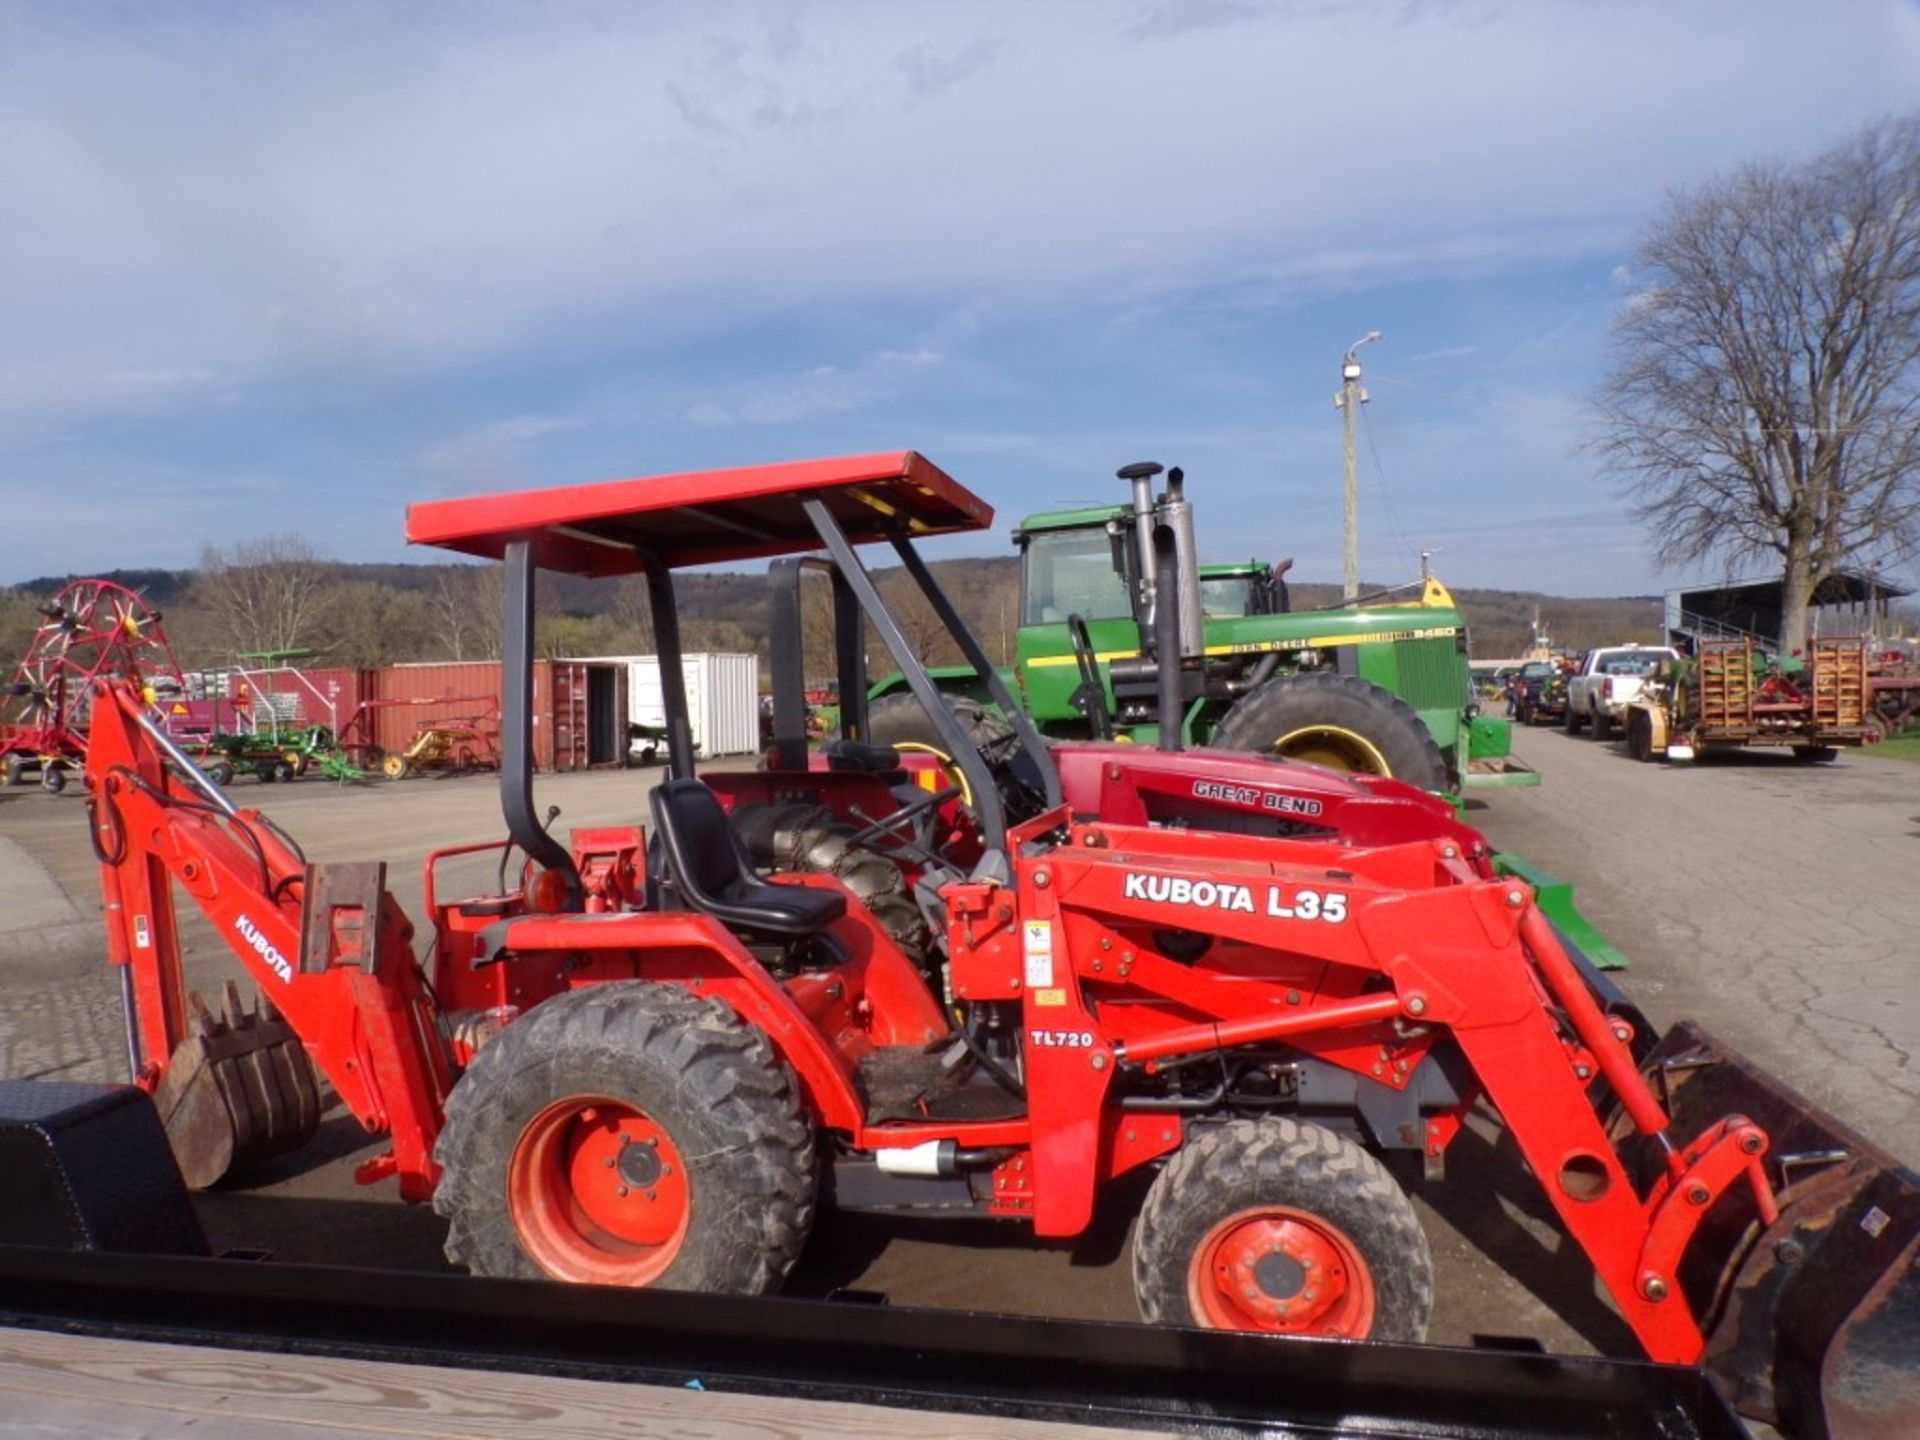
[644, 700]
[541, 718]
[693, 671]
[569, 715]
[739, 711]
[622, 710]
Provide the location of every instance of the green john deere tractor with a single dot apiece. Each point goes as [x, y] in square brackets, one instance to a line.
[1378, 685]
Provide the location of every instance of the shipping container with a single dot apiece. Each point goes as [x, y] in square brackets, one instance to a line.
[579, 707]
[723, 698]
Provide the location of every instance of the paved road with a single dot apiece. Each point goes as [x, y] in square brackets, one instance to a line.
[1775, 903]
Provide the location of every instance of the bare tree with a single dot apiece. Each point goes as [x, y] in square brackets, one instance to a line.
[1766, 384]
[919, 622]
[266, 593]
[453, 599]
[468, 602]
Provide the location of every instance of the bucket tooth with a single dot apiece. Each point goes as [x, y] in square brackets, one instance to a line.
[237, 1091]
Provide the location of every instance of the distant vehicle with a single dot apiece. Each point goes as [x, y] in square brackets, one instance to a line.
[1543, 693]
[1609, 680]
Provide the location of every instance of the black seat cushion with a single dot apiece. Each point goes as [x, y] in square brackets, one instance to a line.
[709, 867]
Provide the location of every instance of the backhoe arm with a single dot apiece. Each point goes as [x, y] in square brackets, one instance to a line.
[328, 947]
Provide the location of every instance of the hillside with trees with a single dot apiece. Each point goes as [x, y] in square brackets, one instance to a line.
[276, 593]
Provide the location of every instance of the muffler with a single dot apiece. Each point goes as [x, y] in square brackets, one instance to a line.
[237, 1091]
[1813, 1321]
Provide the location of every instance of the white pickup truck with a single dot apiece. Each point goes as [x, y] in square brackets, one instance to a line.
[1608, 679]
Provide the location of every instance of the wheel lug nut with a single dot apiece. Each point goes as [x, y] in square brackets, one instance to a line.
[652, 1196]
[623, 1192]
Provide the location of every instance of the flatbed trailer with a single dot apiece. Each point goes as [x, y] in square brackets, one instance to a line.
[1731, 698]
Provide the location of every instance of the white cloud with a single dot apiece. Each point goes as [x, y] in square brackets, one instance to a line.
[290, 192]
[492, 454]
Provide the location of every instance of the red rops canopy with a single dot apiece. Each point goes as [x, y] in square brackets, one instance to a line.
[704, 517]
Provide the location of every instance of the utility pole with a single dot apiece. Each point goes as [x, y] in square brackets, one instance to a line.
[1348, 402]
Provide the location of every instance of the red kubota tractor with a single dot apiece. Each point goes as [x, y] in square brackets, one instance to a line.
[646, 1062]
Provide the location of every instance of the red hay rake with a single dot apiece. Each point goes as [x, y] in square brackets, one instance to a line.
[91, 630]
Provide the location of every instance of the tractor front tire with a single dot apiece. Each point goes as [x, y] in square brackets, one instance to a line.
[1283, 1228]
[1340, 721]
[628, 1134]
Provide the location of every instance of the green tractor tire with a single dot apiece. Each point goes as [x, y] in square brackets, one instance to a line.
[1339, 721]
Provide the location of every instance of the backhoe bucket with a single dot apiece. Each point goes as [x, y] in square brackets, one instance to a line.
[1812, 1322]
[237, 1091]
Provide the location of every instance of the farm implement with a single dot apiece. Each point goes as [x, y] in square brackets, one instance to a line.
[91, 630]
[454, 746]
[640, 1061]
[1729, 695]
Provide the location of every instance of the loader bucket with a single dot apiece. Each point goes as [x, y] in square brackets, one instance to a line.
[237, 1091]
[1812, 1322]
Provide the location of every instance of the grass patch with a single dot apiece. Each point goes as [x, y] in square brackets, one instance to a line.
[1901, 747]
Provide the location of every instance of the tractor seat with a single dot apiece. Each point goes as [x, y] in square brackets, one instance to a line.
[710, 869]
[859, 755]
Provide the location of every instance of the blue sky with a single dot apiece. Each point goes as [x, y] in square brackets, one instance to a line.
[286, 267]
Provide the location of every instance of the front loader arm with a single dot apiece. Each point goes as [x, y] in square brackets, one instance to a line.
[1370, 957]
[328, 947]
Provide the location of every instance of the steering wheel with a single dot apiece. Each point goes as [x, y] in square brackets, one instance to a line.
[914, 811]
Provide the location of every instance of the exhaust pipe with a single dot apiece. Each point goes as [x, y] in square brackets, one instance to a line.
[1166, 636]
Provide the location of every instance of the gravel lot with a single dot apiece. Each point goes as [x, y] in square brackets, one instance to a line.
[1767, 900]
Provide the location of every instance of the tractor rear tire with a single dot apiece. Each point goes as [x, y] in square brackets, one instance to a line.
[1342, 719]
[1287, 1211]
[899, 721]
[629, 1134]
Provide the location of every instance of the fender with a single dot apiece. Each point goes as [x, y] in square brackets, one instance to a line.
[700, 954]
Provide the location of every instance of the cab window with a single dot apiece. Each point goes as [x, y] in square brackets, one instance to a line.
[1070, 572]
[1227, 596]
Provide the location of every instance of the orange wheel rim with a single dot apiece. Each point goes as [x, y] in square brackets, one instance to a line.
[598, 1193]
[1282, 1271]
